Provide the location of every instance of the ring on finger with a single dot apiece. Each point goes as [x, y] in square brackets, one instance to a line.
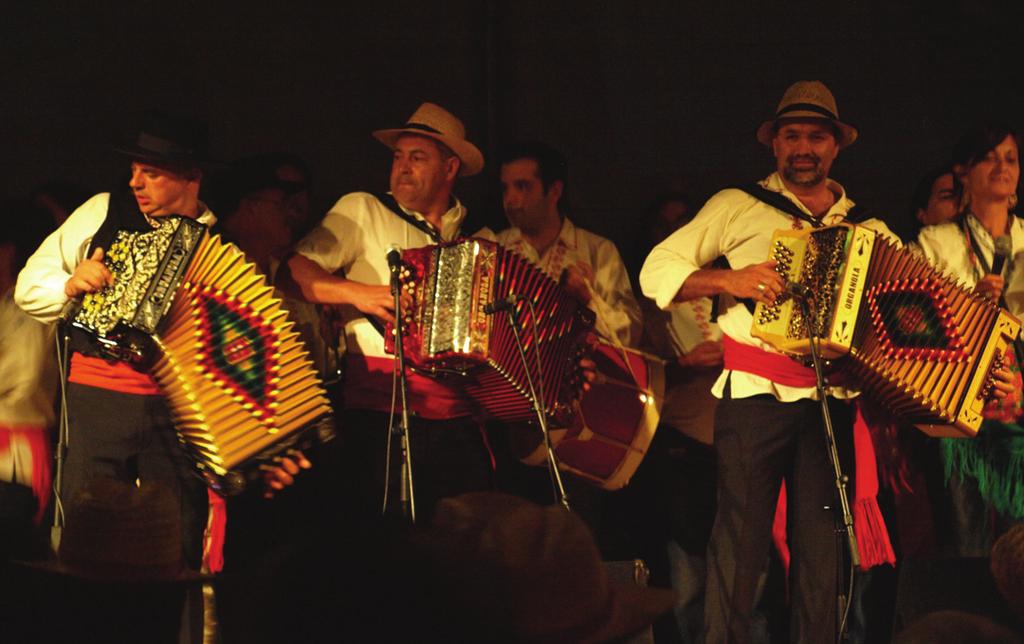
[761, 286]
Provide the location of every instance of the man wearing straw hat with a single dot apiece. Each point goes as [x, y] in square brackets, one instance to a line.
[344, 261]
[768, 426]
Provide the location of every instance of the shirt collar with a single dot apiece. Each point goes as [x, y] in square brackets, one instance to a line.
[207, 218]
[566, 236]
[842, 205]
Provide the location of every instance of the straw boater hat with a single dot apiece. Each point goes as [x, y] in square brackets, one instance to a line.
[435, 122]
[808, 100]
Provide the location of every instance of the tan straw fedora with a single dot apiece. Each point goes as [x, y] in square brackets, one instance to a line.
[435, 122]
[808, 100]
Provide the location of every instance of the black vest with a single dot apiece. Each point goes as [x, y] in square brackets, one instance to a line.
[122, 214]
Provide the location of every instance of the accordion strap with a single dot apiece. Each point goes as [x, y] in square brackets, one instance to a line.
[389, 202]
[778, 201]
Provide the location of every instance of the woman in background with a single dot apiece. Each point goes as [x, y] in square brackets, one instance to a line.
[982, 246]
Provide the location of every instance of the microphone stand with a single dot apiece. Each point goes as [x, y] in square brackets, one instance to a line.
[840, 479]
[400, 429]
[61, 449]
[536, 399]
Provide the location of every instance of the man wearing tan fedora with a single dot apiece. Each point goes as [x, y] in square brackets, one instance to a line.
[343, 261]
[768, 426]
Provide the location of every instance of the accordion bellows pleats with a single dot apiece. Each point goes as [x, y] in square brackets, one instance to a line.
[915, 340]
[237, 378]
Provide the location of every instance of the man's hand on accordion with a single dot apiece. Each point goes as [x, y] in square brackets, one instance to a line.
[758, 282]
[1003, 384]
[282, 472]
[377, 300]
[90, 275]
[990, 286]
[588, 373]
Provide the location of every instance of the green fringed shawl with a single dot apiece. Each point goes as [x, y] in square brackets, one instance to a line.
[995, 459]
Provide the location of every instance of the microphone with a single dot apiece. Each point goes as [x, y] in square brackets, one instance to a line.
[1003, 250]
[797, 290]
[394, 259]
[506, 303]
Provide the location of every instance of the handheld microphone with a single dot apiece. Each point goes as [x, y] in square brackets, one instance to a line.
[1004, 249]
[798, 290]
[506, 303]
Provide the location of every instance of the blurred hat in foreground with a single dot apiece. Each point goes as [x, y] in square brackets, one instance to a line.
[534, 573]
[116, 531]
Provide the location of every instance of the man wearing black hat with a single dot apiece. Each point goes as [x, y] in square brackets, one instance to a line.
[119, 424]
[768, 426]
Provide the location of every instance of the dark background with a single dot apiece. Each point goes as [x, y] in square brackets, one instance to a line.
[640, 95]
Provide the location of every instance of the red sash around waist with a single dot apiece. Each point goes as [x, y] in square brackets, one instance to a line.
[872, 535]
[112, 375]
[773, 366]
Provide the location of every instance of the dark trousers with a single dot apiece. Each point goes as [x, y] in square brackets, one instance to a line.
[449, 457]
[759, 442]
[129, 437]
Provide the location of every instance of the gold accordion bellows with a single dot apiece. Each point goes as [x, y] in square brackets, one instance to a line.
[916, 341]
[236, 376]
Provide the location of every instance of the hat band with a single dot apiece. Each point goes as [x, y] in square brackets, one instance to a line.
[806, 107]
[160, 145]
[421, 126]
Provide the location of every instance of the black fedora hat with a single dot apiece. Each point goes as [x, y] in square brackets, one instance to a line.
[169, 139]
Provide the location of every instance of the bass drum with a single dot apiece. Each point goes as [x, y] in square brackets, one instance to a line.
[614, 422]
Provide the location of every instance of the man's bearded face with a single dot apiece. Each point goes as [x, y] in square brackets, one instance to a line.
[804, 152]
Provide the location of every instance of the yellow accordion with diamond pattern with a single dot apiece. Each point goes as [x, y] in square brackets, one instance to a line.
[237, 378]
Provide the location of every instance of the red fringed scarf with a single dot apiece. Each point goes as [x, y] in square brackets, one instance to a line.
[39, 461]
[213, 539]
[868, 525]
